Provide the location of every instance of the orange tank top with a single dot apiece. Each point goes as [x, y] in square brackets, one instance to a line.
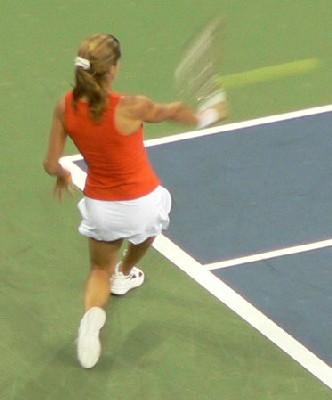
[118, 166]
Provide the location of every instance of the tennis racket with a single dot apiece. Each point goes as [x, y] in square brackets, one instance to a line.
[197, 75]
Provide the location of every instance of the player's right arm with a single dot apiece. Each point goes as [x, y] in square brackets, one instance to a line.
[140, 109]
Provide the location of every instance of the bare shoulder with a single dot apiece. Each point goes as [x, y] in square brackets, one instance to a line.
[59, 109]
[135, 107]
[135, 101]
[143, 109]
[60, 106]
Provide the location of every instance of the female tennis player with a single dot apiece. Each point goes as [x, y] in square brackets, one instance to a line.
[123, 197]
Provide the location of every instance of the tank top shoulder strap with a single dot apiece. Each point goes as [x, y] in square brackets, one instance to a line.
[115, 98]
[68, 100]
[68, 106]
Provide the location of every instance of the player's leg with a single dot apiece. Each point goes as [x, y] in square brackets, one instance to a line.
[103, 258]
[127, 276]
[134, 254]
[152, 213]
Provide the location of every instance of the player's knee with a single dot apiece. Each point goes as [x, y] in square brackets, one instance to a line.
[149, 241]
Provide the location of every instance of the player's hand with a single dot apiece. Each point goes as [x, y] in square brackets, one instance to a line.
[223, 109]
[64, 184]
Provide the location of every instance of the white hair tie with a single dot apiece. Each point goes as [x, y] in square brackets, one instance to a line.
[83, 63]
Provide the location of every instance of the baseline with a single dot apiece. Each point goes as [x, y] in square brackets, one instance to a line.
[271, 119]
[79, 175]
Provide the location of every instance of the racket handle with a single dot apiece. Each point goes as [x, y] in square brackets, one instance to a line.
[213, 100]
[207, 117]
[212, 110]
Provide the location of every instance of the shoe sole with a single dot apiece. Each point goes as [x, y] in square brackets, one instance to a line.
[88, 343]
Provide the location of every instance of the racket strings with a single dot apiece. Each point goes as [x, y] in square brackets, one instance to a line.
[197, 76]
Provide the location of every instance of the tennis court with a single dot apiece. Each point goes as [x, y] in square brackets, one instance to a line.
[241, 190]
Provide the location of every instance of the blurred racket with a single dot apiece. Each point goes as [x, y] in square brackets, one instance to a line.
[197, 75]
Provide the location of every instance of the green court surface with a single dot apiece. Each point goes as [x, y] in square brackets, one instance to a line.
[170, 339]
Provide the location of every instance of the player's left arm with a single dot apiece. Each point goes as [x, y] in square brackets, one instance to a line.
[56, 146]
[57, 142]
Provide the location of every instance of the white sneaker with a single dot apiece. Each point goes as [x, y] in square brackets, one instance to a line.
[121, 284]
[88, 343]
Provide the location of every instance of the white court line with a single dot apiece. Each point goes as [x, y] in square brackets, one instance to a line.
[271, 254]
[244, 309]
[239, 125]
[68, 160]
[79, 176]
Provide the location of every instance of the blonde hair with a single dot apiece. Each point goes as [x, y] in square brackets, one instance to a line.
[102, 51]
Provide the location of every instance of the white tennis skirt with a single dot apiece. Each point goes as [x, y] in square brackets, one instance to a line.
[134, 220]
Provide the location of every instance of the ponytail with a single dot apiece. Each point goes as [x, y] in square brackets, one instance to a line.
[96, 56]
[92, 88]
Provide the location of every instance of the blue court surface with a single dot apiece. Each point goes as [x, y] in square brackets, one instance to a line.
[256, 189]
[294, 291]
[249, 190]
